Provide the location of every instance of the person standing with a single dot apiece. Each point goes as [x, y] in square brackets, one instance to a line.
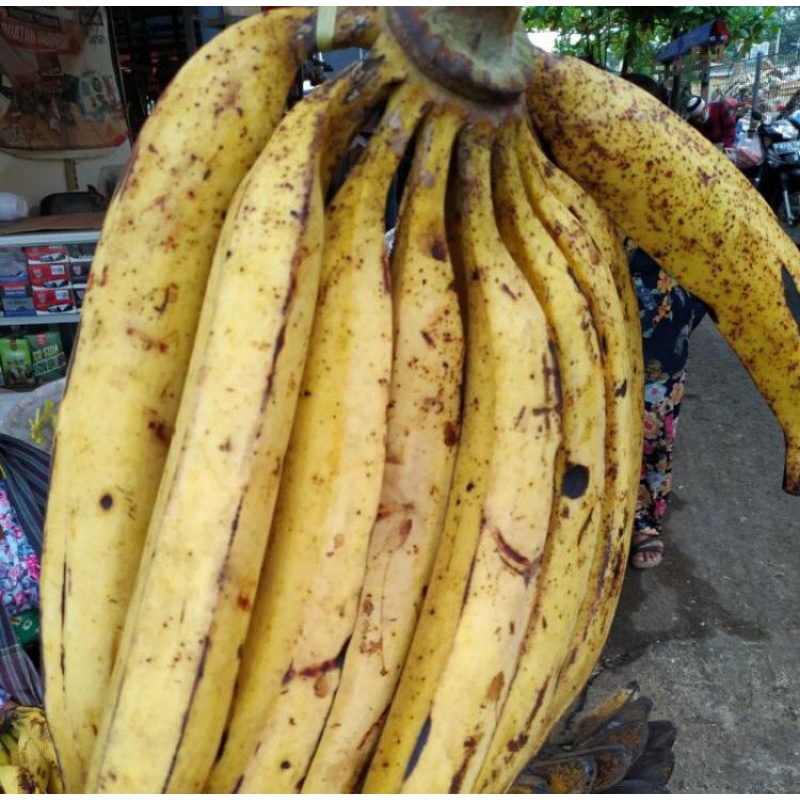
[668, 314]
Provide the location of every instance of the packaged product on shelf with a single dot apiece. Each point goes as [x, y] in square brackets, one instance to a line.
[79, 290]
[53, 301]
[13, 265]
[46, 254]
[47, 356]
[81, 253]
[48, 276]
[80, 258]
[79, 271]
[15, 361]
[17, 302]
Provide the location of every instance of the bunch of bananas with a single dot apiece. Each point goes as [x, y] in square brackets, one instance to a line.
[28, 762]
[356, 518]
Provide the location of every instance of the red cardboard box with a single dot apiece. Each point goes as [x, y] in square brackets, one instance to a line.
[48, 276]
[53, 301]
[46, 254]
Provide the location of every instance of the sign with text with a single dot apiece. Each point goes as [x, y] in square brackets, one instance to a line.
[58, 88]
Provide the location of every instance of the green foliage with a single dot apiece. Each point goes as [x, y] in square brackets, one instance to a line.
[626, 38]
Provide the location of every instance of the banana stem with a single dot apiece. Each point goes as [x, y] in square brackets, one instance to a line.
[480, 53]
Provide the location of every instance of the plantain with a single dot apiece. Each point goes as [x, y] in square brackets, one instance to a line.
[218, 491]
[623, 432]
[423, 422]
[579, 470]
[146, 288]
[486, 570]
[306, 605]
[655, 176]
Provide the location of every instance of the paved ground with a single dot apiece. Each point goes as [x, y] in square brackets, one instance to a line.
[713, 634]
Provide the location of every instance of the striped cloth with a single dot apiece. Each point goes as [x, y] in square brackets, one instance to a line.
[26, 470]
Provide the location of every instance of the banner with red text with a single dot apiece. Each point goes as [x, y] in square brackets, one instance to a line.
[58, 88]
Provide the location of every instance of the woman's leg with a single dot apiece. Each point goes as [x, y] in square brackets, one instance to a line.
[667, 314]
[663, 397]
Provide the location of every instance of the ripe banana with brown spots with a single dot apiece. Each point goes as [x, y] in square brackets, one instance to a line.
[422, 434]
[680, 199]
[487, 570]
[305, 608]
[388, 520]
[579, 472]
[147, 285]
[624, 416]
[196, 585]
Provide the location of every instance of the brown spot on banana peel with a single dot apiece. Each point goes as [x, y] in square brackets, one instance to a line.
[198, 676]
[439, 250]
[471, 747]
[513, 559]
[575, 481]
[319, 669]
[507, 290]
[162, 431]
[451, 433]
[147, 342]
[791, 295]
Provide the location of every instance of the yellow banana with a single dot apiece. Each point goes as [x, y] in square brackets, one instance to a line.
[17, 780]
[623, 429]
[147, 284]
[486, 571]
[422, 434]
[191, 606]
[314, 566]
[27, 746]
[9, 747]
[579, 474]
[691, 210]
[32, 759]
[609, 241]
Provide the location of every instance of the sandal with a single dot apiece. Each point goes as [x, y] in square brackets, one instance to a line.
[647, 550]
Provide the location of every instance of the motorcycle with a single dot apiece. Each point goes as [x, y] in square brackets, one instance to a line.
[777, 176]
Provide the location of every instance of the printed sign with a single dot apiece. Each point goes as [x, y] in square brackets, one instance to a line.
[58, 89]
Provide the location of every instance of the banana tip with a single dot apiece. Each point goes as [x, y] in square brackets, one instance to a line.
[791, 472]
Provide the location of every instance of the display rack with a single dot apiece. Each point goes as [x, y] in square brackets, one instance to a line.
[34, 239]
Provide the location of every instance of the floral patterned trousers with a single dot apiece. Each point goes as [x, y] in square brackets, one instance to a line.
[668, 315]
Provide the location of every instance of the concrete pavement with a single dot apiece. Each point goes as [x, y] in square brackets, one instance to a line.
[713, 634]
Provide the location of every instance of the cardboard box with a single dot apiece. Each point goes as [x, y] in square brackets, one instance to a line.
[17, 303]
[53, 301]
[46, 254]
[13, 265]
[79, 291]
[79, 271]
[81, 253]
[49, 276]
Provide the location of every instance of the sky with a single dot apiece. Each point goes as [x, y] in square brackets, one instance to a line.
[545, 40]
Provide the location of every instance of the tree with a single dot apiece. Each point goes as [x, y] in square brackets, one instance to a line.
[626, 38]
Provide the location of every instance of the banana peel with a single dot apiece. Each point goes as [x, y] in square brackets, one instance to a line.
[28, 760]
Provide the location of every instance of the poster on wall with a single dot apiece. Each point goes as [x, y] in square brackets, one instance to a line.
[58, 88]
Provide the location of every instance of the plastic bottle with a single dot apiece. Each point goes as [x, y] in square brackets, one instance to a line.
[12, 206]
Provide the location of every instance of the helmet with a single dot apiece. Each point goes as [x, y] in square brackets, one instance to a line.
[696, 109]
